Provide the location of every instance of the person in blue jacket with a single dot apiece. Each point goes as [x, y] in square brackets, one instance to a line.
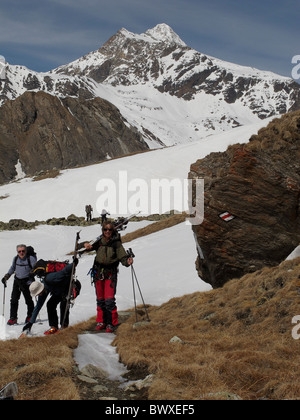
[56, 285]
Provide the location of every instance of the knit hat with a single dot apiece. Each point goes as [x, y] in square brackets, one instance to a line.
[36, 288]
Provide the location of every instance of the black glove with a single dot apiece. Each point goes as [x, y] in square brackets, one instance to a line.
[27, 326]
[75, 260]
[5, 278]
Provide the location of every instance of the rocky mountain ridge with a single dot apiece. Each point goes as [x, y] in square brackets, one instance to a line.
[40, 132]
[20, 79]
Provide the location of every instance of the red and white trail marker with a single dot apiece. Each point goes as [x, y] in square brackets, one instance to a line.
[226, 216]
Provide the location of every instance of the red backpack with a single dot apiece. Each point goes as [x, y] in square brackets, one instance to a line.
[42, 267]
[54, 266]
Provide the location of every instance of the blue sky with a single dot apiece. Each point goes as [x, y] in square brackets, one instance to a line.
[43, 34]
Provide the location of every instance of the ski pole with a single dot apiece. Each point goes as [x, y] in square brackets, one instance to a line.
[133, 272]
[132, 278]
[39, 318]
[133, 275]
[3, 301]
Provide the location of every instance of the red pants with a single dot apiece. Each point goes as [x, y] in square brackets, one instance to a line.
[106, 302]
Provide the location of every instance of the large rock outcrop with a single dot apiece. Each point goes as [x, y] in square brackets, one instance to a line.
[43, 132]
[259, 184]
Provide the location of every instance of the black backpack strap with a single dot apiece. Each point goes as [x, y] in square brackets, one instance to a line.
[14, 264]
[29, 262]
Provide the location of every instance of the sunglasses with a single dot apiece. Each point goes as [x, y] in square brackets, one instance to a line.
[22, 251]
[107, 230]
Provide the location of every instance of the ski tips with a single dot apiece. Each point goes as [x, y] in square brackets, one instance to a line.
[24, 334]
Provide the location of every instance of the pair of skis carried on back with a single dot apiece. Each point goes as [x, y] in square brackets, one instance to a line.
[119, 224]
[70, 296]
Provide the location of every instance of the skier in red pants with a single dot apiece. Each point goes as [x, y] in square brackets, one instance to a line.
[109, 253]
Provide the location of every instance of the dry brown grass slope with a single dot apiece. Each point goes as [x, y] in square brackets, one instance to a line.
[42, 367]
[236, 340]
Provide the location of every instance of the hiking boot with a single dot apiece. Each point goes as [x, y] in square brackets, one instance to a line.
[100, 326]
[51, 331]
[109, 329]
[12, 321]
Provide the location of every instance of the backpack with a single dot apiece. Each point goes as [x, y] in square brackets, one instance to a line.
[42, 267]
[30, 253]
[76, 289]
[54, 266]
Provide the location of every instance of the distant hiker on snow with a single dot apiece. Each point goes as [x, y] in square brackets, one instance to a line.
[88, 210]
[55, 284]
[21, 266]
[104, 215]
[110, 252]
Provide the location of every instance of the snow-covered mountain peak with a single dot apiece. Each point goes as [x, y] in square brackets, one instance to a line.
[160, 34]
[163, 32]
[168, 91]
